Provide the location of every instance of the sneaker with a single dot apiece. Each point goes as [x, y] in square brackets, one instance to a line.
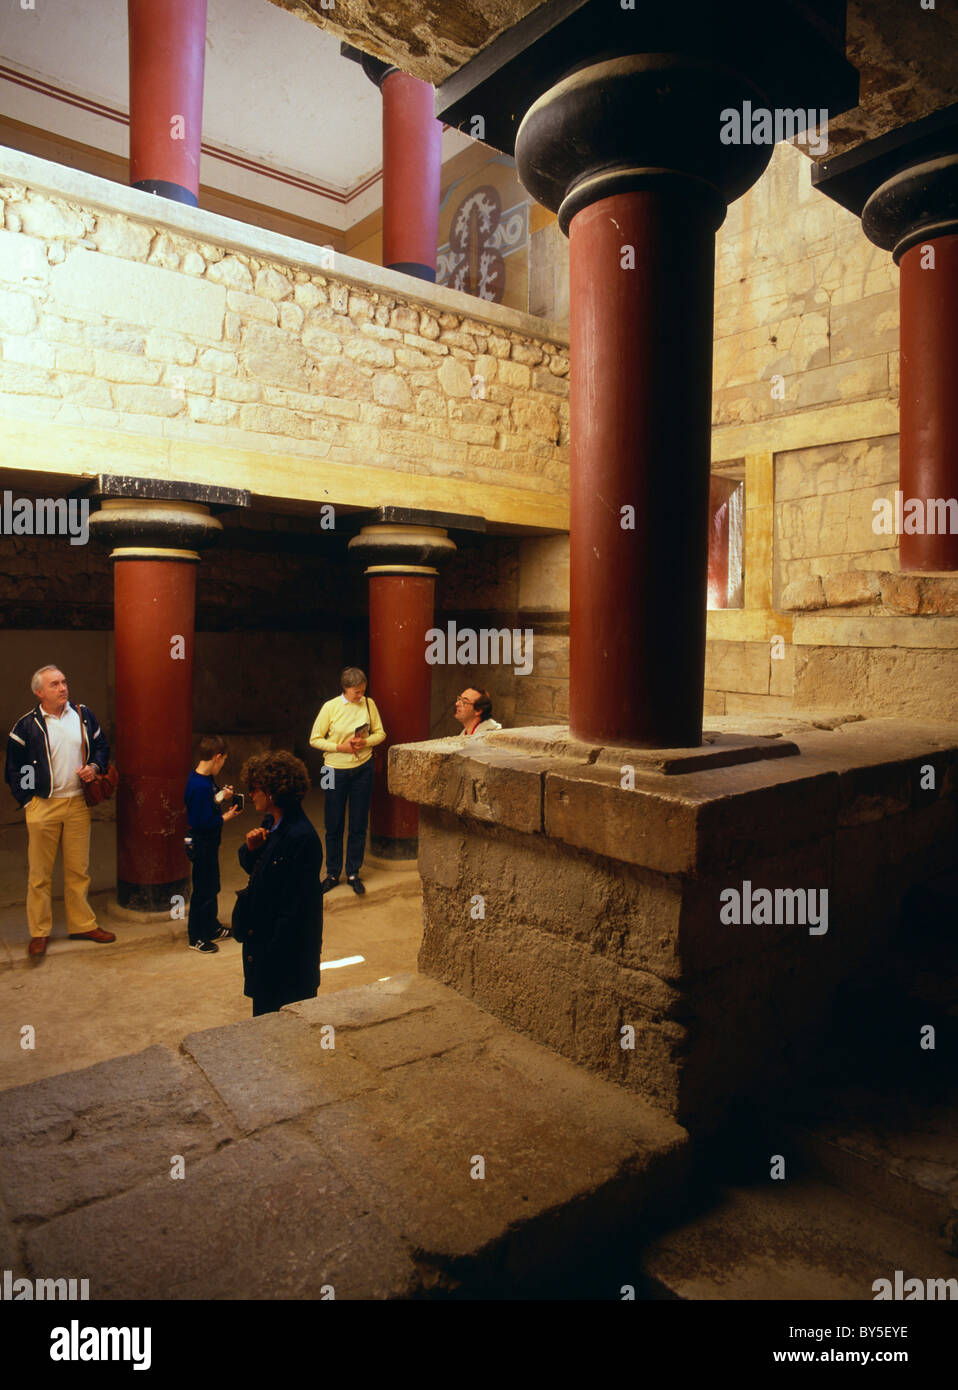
[221, 934]
[356, 884]
[328, 883]
[206, 947]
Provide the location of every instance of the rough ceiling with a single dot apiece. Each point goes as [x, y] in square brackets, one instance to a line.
[426, 38]
[908, 61]
[907, 56]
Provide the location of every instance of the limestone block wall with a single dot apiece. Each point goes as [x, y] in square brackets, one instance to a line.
[806, 371]
[571, 905]
[121, 313]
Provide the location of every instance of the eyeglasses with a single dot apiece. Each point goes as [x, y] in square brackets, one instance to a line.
[461, 701]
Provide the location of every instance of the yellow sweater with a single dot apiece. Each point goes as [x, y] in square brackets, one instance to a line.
[336, 722]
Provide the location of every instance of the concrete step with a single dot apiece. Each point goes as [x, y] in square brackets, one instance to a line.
[793, 1239]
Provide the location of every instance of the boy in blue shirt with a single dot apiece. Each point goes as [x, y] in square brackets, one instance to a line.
[203, 801]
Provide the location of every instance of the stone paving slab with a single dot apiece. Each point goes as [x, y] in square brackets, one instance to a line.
[86, 1135]
[268, 1217]
[546, 1133]
[373, 1187]
[276, 1071]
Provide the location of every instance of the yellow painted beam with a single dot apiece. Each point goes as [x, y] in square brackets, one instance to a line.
[807, 430]
[41, 447]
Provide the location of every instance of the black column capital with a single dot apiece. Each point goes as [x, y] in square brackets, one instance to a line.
[645, 120]
[903, 185]
[375, 69]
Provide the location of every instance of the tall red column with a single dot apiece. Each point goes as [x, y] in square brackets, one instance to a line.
[914, 214]
[402, 597]
[412, 159]
[627, 153]
[928, 448]
[153, 631]
[640, 394]
[167, 58]
[401, 609]
[155, 564]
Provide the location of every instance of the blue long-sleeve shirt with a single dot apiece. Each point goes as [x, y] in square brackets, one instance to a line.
[202, 811]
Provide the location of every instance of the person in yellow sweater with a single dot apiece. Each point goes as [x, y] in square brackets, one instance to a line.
[347, 729]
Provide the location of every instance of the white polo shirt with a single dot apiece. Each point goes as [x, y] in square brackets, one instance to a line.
[65, 736]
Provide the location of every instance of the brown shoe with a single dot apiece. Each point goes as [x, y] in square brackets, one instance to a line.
[38, 946]
[97, 934]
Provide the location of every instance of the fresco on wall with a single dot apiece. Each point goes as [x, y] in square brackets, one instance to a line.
[484, 236]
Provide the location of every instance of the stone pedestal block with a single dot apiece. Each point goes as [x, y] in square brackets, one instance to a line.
[612, 903]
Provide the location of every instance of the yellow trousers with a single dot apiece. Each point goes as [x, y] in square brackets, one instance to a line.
[51, 820]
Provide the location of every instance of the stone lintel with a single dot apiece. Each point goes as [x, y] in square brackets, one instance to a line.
[211, 495]
[418, 516]
[850, 178]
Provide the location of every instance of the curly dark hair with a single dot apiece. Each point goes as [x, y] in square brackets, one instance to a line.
[281, 775]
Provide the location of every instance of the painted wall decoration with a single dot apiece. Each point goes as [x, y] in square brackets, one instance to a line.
[485, 217]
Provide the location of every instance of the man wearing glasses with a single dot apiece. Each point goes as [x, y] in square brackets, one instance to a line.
[474, 712]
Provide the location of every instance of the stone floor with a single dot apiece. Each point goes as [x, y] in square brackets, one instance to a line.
[389, 1141]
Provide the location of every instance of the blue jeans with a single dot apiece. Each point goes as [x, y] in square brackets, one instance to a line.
[353, 785]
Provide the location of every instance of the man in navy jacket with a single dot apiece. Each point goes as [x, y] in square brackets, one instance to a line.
[51, 752]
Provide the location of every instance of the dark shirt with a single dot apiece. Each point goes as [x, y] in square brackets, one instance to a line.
[202, 811]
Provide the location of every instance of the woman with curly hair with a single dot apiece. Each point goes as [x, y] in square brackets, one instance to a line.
[278, 918]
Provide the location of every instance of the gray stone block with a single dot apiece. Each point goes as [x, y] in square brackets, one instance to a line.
[90, 1134]
[268, 1217]
[273, 1068]
[556, 1145]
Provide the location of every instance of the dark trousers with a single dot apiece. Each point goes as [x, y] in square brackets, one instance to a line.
[204, 918]
[353, 785]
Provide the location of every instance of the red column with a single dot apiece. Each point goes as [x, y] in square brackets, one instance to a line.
[412, 156]
[153, 625]
[720, 489]
[640, 384]
[928, 460]
[401, 607]
[167, 56]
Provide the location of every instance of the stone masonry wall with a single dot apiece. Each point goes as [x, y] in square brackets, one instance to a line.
[113, 323]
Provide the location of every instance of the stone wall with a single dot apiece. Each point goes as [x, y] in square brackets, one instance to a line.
[111, 319]
[586, 909]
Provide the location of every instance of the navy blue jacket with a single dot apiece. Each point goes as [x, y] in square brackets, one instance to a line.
[27, 746]
[202, 810]
[280, 922]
